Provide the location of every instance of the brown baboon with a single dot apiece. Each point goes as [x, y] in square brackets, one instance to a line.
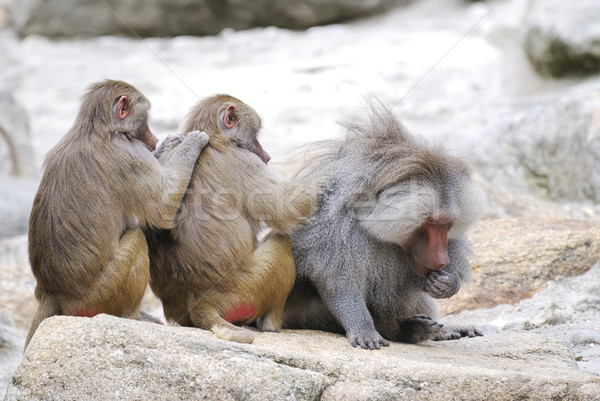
[101, 185]
[388, 237]
[211, 270]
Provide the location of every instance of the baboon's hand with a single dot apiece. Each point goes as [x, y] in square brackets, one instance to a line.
[367, 339]
[456, 332]
[419, 328]
[167, 145]
[200, 137]
[442, 284]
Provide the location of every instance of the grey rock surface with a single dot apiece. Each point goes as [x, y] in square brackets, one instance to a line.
[60, 18]
[563, 37]
[560, 155]
[107, 358]
[568, 310]
[549, 147]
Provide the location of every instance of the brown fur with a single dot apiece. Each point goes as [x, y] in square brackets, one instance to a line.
[101, 184]
[212, 260]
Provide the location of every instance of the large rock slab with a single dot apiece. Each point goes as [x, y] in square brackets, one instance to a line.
[58, 18]
[515, 258]
[563, 37]
[568, 310]
[108, 358]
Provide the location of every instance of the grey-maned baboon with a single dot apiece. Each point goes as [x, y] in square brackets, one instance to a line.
[388, 237]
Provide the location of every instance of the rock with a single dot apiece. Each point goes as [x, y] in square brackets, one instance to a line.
[515, 258]
[586, 337]
[507, 202]
[57, 18]
[551, 316]
[11, 350]
[568, 310]
[563, 38]
[560, 153]
[551, 147]
[106, 358]
[17, 301]
[14, 129]
[7, 337]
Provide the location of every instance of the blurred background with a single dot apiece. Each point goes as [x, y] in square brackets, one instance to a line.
[513, 86]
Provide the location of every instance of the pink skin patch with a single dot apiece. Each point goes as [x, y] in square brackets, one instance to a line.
[239, 313]
[87, 312]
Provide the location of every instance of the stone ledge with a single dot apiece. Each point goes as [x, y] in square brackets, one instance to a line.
[108, 358]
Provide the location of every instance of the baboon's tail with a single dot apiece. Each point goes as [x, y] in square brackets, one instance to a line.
[234, 333]
[47, 307]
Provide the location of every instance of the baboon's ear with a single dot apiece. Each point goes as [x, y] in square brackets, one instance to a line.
[123, 107]
[230, 119]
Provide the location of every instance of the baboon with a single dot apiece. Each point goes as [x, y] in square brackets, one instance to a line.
[211, 270]
[387, 238]
[101, 185]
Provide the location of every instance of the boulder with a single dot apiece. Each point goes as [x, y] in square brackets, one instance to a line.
[558, 145]
[57, 18]
[549, 147]
[515, 258]
[106, 358]
[563, 37]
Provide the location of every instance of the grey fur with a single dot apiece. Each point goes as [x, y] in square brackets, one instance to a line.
[352, 274]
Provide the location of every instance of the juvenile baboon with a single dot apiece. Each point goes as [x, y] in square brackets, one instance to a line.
[101, 185]
[211, 270]
[388, 237]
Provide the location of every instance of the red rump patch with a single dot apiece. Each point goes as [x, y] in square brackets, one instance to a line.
[85, 312]
[239, 313]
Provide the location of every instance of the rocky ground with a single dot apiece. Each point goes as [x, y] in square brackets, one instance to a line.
[131, 360]
[456, 72]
